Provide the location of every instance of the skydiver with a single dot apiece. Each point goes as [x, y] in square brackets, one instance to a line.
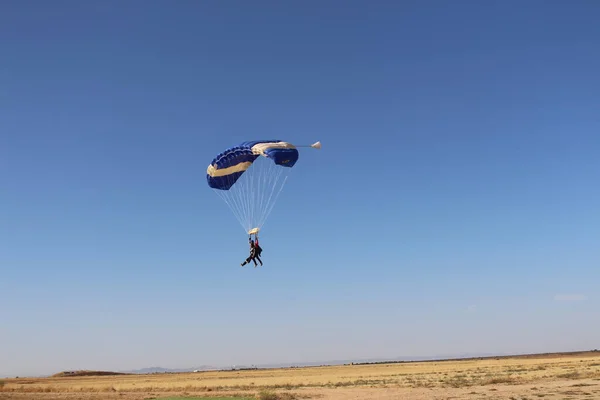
[252, 256]
[258, 249]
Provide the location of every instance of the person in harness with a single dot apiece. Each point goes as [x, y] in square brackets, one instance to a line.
[255, 252]
[257, 248]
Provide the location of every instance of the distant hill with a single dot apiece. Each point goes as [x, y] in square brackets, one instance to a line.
[64, 374]
[160, 370]
[406, 359]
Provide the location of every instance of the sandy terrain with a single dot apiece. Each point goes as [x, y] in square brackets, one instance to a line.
[548, 377]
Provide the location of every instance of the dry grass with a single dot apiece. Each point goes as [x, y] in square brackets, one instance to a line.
[289, 383]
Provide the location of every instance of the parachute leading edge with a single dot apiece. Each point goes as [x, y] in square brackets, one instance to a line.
[230, 165]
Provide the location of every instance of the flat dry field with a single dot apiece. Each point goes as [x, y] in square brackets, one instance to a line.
[548, 377]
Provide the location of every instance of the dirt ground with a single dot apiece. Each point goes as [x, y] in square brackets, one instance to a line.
[559, 377]
[554, 390]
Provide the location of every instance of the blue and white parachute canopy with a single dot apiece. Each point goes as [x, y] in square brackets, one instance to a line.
[230, 165]
[250, 176]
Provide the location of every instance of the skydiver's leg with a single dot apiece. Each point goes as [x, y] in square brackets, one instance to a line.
[247, 261]
[258, 258]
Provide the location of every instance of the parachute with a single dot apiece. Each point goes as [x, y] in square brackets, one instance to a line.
[250, 176]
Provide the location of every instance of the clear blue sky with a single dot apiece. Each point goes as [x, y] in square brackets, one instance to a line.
[454, 207]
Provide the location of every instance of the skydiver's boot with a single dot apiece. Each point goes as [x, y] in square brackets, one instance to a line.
[244, 263]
